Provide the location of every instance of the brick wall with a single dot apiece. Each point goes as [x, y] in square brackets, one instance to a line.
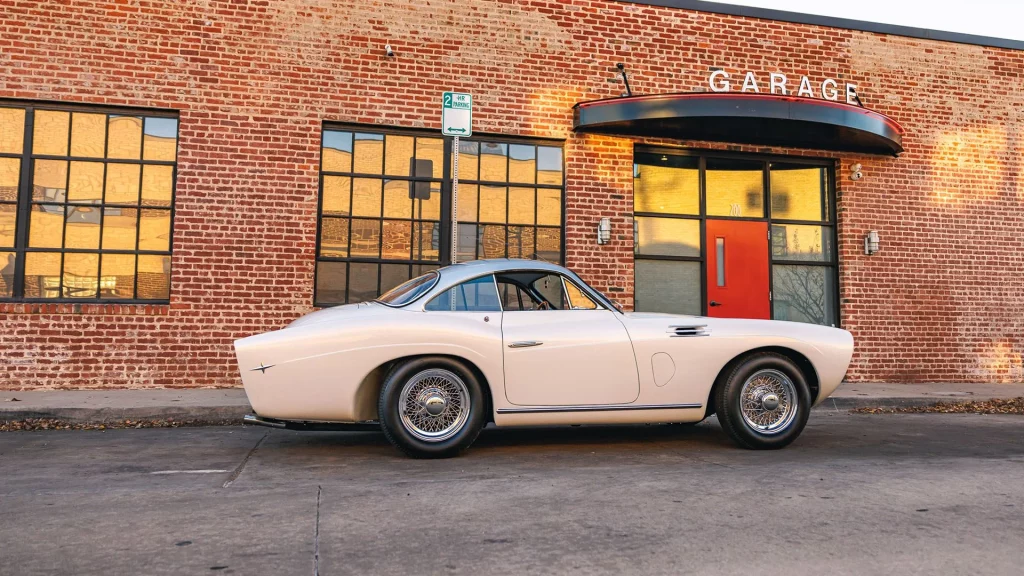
[253, 81]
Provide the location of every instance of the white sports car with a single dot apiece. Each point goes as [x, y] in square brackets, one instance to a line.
[522, 342]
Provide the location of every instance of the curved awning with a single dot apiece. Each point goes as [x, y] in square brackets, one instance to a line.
[765, 119]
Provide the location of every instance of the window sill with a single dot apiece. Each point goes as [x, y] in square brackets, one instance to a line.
[93, 309]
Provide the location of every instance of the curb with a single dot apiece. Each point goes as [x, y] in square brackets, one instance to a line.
[193, 414]
[845, 404]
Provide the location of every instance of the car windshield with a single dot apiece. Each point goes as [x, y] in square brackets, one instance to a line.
[410, 291]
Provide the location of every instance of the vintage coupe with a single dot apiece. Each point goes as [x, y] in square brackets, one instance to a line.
[522, 342]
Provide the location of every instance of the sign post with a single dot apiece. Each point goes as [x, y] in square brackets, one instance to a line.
[456, 121]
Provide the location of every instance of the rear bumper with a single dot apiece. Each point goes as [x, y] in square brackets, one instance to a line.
[256, 420]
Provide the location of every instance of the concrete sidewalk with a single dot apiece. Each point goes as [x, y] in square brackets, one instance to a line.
[217, 406]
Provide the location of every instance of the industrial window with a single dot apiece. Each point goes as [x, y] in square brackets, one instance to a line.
[86, 204]
[385, 207]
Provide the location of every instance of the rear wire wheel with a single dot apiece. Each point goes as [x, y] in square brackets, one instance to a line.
[431, 407]
[764, 402]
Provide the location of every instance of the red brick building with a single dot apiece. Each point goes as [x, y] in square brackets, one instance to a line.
[175, 175]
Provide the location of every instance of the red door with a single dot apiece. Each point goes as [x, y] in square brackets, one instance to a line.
[737, 255]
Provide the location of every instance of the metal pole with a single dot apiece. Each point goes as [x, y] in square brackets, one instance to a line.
[455, 201]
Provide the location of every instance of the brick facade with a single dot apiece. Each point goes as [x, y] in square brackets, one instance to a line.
[254, 81]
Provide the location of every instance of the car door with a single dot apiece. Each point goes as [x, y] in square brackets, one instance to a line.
[561, 348]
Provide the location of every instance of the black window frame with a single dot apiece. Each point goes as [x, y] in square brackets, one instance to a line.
[829, 222]
[419, 266]
[25, 202]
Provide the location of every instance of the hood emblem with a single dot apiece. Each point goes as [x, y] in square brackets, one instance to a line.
[262, 369]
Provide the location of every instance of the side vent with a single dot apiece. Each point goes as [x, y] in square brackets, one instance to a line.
[681, 331]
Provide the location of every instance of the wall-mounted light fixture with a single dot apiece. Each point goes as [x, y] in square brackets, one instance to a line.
[604, 231]
[871, 243]
[855, 172]
[388, 51]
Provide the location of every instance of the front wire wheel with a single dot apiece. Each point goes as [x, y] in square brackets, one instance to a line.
[764, 401]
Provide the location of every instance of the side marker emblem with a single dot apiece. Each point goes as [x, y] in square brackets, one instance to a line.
[263, 369]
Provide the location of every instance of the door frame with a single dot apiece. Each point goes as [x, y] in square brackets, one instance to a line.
[830, 215]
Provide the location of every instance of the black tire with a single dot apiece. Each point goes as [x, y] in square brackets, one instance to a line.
[730, 414]
[405, 436]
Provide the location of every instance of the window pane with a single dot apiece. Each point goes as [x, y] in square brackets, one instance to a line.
[807, 243]
[366, 197]
[85, 183]
[334, 237]
[549, 165]
[125, 138]
[520, 242]
[330, 282]
[522, 164]
[119, 226]
[157, 185]
[735, 188]
[81, 275]
[49, 180]
[82, 227]
[122, 184]
[6, 272]
[50, 133]
[10, 170]
[665, 286]
[154, 279]
[12, 130]
[88, 134]
[803, 294]
[155, 230]
[492, 203]
[46, 226]
[720, 261]
[667, 236]
[577, 299]
[469, 160]
[396, 241]
[337, 195]
[426, 241]
[492, 242]
[398, 198]
[42, 275]
[8, 219]
[477, 295]
[399, 155]
[362, 282]
[549, 207]
[467, 242]
[430, 208]
[549, 244]
[520, 205]
[493, 162]
[365, 241]
[336, 155]
[797, 191]
[550, 287]
[468, 198]
[368, 154]
[430, 157]
[391, 275]
[117, 276]
[161, 139]
[666, 184]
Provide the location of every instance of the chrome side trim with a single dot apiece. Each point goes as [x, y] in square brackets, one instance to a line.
[529, 344]
[254, 420]
[597, 408]
[689, 331]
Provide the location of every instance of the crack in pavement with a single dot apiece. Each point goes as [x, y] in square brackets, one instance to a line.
[234, 475]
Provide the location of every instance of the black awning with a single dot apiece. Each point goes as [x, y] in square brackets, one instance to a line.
[765, 119]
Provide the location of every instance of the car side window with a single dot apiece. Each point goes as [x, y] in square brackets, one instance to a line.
[577, 299]
[477, 295]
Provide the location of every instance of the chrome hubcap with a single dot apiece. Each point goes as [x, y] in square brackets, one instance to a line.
[768, 401]
[434, 405]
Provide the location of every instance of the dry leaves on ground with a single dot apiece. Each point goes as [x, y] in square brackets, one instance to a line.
[998, 406]
[33, 424]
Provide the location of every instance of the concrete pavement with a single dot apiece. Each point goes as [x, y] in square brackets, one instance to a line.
[215, 406]
[857, 494]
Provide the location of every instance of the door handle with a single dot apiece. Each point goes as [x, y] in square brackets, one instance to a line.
[525, 344]
[713, 304]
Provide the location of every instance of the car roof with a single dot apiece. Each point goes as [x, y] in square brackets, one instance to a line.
[456, 273]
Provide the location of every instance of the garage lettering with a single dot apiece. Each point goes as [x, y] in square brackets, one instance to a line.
[778, 83]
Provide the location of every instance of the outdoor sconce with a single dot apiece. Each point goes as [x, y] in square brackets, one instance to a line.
[855, 172]
[604, 231]
[871, 243]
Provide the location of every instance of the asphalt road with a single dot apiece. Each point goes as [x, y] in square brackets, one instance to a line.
[856, 494]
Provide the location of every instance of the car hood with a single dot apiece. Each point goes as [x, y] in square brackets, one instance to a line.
[338, 313]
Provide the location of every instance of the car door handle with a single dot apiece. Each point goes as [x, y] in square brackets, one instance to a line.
[524, 344]
[713, 303]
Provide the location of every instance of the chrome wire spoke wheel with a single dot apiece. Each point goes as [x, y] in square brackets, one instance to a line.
[434, 405]
[768, 401]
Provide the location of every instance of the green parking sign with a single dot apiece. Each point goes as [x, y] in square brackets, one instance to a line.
[457, 114]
